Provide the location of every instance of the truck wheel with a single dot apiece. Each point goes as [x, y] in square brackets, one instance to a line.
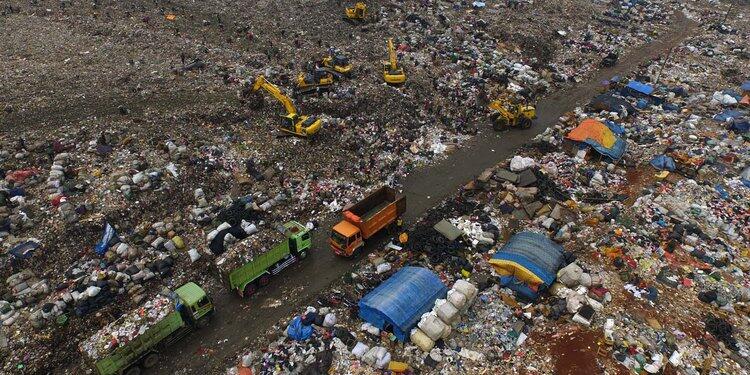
[302, 254]
[134, 370]
[151, 360]
[250, 289]
[264, 280]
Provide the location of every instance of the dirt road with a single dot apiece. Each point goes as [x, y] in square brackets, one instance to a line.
[239, 322]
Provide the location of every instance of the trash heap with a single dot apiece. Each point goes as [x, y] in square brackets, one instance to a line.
[127, 328]
[647, 195]
[124, 128]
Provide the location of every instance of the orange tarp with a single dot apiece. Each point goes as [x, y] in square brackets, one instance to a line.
[595, 130]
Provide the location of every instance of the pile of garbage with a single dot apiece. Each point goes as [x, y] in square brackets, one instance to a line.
[127, 328]
[140, 130]
[646, 198]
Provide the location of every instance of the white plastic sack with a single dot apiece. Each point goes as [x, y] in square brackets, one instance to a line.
[247, 360]
[383, 267]
[360, 349]
[194, 255]
[92, 291]
[468, 289]
[374, 354]
[421, 340]
[445, 311]
[457, 299]
[432, 326]
[371, 329]
[570, 275]
[329, 320]
[724, 99]
[383, 361]
[519, 163]
[574, 302]
[248, 228]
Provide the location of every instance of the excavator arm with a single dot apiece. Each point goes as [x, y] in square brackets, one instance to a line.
[392, 54]
[260, 82]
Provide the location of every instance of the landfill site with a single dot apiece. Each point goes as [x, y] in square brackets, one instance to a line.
[376, 187]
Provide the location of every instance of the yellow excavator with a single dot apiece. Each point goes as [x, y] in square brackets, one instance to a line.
[356, 14]
[506, 113]
[314, 80]
[392, 73]
[292, 123]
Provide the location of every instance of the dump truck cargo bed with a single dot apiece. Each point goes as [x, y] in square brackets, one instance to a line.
[117, 345]
[377, 210]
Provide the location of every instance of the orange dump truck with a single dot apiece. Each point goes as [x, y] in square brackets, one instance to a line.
[365, 218]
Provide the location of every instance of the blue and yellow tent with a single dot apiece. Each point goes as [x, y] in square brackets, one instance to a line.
[528, 263]
[600, 137]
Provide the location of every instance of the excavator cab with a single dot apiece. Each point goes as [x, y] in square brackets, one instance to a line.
[392, 73]
[508, 114]
[357, 13]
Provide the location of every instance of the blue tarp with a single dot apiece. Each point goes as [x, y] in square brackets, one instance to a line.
[745, 86]
[740, 125]
[640, 87]
[298, 331]
[614, 127]
[400, 301]
[663, 162]
[727, 114]
[529, 251]
[108, 235]
[535, 252]
[24, 250]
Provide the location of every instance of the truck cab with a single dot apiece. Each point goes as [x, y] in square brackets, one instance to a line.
[194, 304]
[345, 238]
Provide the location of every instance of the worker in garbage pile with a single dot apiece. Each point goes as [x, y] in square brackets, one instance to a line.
[403, 238]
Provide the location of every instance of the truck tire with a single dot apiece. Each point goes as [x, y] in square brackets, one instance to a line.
[264, 280]
[133, 370]
[302, 254]
[151, 360]
[249, 290]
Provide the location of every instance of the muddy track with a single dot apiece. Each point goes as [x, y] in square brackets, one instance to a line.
[239, 322]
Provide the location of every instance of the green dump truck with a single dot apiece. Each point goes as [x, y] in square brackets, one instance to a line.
[133, 342]
[246, 274]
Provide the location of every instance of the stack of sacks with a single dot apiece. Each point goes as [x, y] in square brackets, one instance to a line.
[437, 324]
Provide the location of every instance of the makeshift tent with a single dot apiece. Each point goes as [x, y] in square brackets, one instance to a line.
[600, 137]
[400, 301]
[528, 263]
